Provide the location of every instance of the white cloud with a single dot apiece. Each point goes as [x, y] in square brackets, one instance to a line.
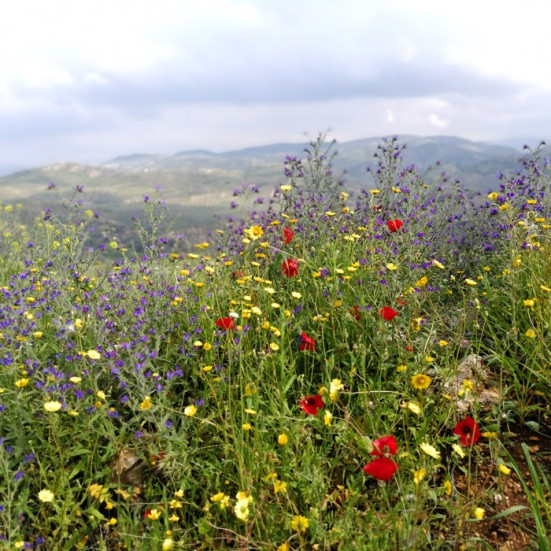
[436, 121]
[94, 79]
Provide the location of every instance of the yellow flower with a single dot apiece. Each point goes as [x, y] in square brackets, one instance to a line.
[146, 404]
[52, 406]
[422, 282]
[168, 544]
[241, 508]
[401, 368]
[438, 264]
[274, 346]
[294, 294]
[447, 487]
[414, 407]
[419, 475]
[93, 354]
[374, 191]
[470, 282]
[46, 496]
[299, 524]
[327, 418]
[207, 346]
[505, 206]
[479, 513]
[154, 514]
[280, 487]
[113, 244]
[247, 427]
[286, 187]
[334, 388]
[75, 380]
[21, 383]
[529, 303]
[430, 450]
[493, 196]
[503, 469]
[190, 411]
[101, 395]
[421, 381]
[254, 232]
[443, 343]
[390, 266]
[38, 334]
[222, 499]
[282, 439]
[458, 450]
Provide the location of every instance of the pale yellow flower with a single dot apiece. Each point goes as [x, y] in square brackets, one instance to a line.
[430, 450]
[470, 282]
[168, 544]
[458, 450]
[93, 354]
[52, 406]
[46, 496]
[241, 508]
[190, 411]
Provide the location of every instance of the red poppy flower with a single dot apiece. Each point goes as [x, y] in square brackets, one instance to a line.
[288, 235]
[386, 445]
[382, 468]
[290, 268]
[394, 225]
[238, 274]
[355, 313]
[409, 348]
[468, 431]
[311, 404]
[387, 313]
[226, 324]
[306, 342]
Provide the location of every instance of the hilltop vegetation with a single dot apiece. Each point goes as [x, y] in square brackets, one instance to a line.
[199, 186]
[335, 370]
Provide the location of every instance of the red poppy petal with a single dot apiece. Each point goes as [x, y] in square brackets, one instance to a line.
[381, 468]
[385, 445]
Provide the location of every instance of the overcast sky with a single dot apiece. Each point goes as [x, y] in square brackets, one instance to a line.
[85, 81]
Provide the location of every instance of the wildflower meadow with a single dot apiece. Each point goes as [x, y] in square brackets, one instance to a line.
[337, 369]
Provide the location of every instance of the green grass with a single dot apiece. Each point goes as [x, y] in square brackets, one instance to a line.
[131, 419]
